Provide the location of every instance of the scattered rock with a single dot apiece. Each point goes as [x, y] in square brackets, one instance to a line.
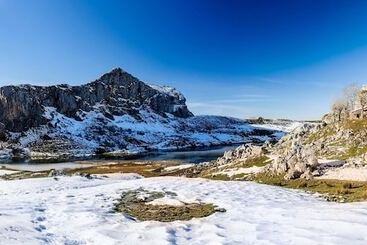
[87, 175]
[243, 152]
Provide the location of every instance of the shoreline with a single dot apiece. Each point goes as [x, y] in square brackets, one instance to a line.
[120, 156]
[335, 190]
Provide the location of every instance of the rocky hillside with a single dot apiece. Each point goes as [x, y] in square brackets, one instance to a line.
[334, 150]
[115, 115]
[114, 94]
[313, 150]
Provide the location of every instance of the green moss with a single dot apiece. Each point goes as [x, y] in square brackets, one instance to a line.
[333, 190]
[139, 208]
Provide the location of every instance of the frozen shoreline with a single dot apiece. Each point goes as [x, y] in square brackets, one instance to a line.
[75, 210]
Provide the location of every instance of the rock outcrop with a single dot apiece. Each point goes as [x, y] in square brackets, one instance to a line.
[115, 93]
[311, 150]
[294, 157]
[291, 156]
[243, 153]
[298, 162]
[116, 115]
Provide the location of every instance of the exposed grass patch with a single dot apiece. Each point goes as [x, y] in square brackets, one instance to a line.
[353, 151]
[333, 190]
[225, 172]
[214, 176]
[345, 152]
[143, 168]
[25, 175]
[146, 170]
[256, 161]
[136, 205]
[322, 133]
[355, 125]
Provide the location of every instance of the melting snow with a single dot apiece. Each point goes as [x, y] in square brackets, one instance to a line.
[168, 90]
[4, 172]
[167, 200]
[75, 210]
[182, 166]
[148, 131]
[249, 170]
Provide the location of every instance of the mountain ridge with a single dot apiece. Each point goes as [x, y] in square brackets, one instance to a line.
[116, 114]
[23, 105]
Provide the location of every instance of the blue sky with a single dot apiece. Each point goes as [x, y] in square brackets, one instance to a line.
[279, 59]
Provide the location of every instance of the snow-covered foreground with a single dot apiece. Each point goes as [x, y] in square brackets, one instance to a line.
[76, 210]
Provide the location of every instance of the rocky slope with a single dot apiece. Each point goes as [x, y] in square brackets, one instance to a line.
[336, 150]
[115, 115]
[114, 94]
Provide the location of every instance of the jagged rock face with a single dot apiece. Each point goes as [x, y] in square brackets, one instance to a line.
[298, 162]
[116, 115]
[290, 157]
[295, 158]
[115, 93]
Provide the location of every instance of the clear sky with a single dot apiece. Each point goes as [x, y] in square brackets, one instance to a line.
[279, 59]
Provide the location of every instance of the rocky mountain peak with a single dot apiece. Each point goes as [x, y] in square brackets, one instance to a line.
[115, 93]
[116, 115]
[117, 70]
[116, 75]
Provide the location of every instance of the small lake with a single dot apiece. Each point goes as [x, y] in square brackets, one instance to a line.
[190, 156]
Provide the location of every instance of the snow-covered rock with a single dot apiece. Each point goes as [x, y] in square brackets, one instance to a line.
[117, 114]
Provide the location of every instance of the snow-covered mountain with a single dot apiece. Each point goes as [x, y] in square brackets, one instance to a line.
[114, 115]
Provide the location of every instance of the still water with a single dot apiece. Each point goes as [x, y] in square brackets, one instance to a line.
[193, 156]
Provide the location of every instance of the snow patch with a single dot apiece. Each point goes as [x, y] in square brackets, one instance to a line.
[75, 210]
[233, 172]
[168, 90]
[179, 167]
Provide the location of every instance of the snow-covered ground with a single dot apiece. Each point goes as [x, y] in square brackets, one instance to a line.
[346, 173]
[339, 169]
[234, 171]
[76, 210]
[65, 137]
[284, 126]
